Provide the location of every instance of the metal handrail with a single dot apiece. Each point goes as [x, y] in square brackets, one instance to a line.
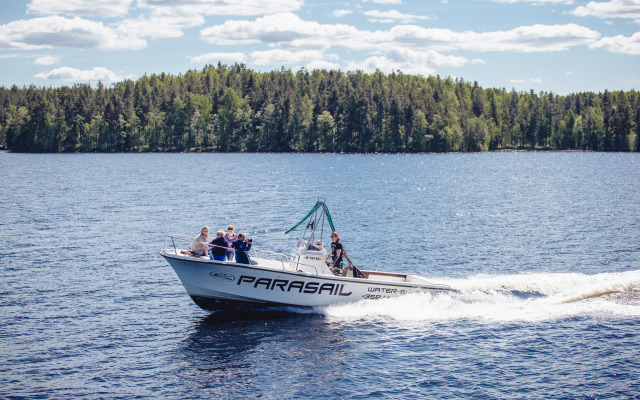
[284, 258]
[281, 257]
[273, 253]
[173, 238]
[308, 265]
[298, 263]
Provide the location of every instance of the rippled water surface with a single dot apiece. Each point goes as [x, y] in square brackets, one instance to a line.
[543, 250]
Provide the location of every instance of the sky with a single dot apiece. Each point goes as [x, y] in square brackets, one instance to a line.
[559, 46]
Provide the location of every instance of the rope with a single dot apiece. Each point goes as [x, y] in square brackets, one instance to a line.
[215, 245]
[314, 209]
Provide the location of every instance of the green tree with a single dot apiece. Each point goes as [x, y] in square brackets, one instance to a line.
[230, 105]
[421, 129]
[326, 132]
[621, 124]
[232, 108]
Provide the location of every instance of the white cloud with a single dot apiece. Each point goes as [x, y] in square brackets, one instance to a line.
[431, 58]
[384, 1]
[534, 38]
[161, 24]
[281, 57]
[285, 29]
[536, 2]
[47, 60]
[288, 30]
[321, 64]
[55, 31]
[392, 16]
[161, 18]
[387, 65]
[224, 7]
[213, 58]
[341, 13]
[311, 59]
[408, 61]
[69, 74]
[620, 44]
[611, 9]
[409, 48]
[94, 8]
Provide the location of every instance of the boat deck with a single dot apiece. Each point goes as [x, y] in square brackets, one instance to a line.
[289, 265]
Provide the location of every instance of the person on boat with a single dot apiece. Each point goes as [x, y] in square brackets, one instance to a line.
[199, 246]
[336, 254]
[230, 238]
[242, 246]
[219, 247]
[321, 249]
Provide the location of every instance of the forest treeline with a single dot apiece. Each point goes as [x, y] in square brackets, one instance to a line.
[234, 109]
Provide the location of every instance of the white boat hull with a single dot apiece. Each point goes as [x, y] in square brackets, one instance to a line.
[218, 285]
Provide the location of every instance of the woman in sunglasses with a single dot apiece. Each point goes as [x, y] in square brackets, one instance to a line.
[336, 254]
[230, 237]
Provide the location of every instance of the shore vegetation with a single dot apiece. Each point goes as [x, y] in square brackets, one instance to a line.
[235, 109]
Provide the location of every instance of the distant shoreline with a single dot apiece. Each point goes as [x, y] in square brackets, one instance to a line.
[335, 153]
[234, 109]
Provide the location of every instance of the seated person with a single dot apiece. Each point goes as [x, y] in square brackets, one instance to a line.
[321, 249]
[219, 247]
[199, 246]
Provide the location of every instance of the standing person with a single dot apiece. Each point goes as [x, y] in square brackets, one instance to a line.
[230, 237]
[219, 250]
[199, 246]
[336, 254]
[242, 249]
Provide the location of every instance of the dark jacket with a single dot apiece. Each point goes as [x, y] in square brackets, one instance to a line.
[220, 246]
[335, 259]
[242, 251]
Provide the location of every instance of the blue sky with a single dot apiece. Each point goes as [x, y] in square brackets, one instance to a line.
[560, 46]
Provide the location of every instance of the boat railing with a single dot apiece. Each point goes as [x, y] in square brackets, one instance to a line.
[283, 259]
[272, 255]
[171, 239]
[298, 263]
[178, 242]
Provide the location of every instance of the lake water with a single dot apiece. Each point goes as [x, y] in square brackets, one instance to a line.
[543, 250]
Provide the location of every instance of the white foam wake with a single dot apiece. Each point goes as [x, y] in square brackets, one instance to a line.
[521, 297]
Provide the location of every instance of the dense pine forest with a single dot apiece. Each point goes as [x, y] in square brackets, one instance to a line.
[235, 109]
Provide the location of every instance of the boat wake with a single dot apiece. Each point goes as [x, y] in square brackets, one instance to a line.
[521, 297]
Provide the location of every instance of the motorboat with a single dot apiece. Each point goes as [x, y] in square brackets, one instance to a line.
[300, 279]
